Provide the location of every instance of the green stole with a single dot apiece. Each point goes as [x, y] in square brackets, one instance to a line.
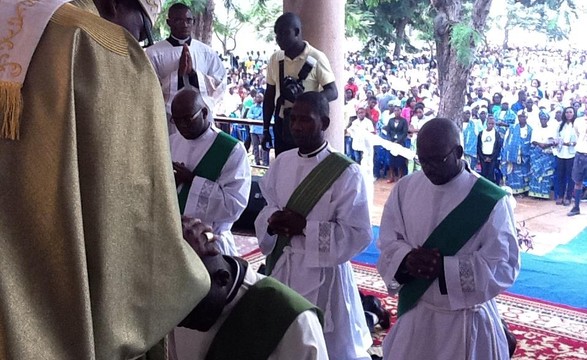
[307, 194]
[453, 233]
[211, 164]
[257, 323]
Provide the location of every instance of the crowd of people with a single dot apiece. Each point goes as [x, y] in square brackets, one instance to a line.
[531, 97]
[123, 247]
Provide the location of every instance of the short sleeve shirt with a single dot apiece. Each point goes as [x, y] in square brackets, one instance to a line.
[320, 75]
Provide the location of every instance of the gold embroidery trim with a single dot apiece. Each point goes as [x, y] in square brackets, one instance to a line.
[106, 34]
[15, 24]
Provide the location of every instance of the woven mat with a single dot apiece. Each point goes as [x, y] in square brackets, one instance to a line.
[544, 330]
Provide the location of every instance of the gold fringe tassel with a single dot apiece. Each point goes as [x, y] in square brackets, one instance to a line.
[10, 109]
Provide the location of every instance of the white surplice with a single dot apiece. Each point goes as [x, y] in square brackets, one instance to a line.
[211, 73]
[302, 340]
[464, 323]
[317, 265]
[219, 203]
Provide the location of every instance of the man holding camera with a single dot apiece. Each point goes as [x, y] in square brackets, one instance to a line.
[296, 68]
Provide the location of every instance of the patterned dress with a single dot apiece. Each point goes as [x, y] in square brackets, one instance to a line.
[515, 158]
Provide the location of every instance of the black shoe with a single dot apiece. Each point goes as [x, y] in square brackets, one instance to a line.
[567, 202]
[574, 211]
[375, 313]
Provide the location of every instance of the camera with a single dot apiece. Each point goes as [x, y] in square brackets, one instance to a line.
[292, 88]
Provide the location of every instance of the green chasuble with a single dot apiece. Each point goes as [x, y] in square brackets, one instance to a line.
[454, 232]
[258, 322]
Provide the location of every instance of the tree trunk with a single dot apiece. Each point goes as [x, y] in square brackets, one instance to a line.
[506, 38]
[453, 74]
[203, 23]
[400, 35]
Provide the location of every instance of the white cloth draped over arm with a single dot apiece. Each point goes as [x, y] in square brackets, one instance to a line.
[394, 148]
[211, 76]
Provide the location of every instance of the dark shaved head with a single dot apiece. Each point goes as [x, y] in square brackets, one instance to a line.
[440, 150]
[189, 113]
[288, 32]
[289, 19]
[440, 130]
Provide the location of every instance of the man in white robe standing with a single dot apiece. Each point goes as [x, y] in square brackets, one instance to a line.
[449, 247]
[309, 247]
[211, 168]
[179, 58]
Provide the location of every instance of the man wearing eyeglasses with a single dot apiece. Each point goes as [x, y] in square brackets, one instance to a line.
[180, 59]
[89, 227]
[448, 248]
[211, 168]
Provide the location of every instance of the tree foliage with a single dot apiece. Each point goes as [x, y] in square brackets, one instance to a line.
[381, 23]
[458, 29]
[463, 38]
[160, 29]
[261, 15]
[553, 18]
[552, 4]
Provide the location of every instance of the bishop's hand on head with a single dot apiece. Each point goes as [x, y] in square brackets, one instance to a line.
[199, 236]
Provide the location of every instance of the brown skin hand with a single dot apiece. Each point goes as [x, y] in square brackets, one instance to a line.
[186, 67]
[286, 222]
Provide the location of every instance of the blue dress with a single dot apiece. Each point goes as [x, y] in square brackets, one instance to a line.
[515, 159]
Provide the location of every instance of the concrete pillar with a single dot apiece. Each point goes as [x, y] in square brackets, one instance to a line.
[323, 28]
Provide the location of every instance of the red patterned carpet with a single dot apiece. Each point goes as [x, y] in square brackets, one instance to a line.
[544, 331]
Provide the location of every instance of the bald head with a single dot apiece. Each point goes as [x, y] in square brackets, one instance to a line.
[440, 131]
[439, 150]
[189, 113]
[189, 96]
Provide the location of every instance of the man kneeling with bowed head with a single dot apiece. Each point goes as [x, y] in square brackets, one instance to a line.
[245, 315]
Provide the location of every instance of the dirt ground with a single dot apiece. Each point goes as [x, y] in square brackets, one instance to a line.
[547, 221]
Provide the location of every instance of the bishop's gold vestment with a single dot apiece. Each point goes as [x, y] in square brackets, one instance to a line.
[92, 260]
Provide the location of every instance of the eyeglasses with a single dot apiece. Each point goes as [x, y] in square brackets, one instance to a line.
[178, 21]
[186, 119]
[436, 162]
